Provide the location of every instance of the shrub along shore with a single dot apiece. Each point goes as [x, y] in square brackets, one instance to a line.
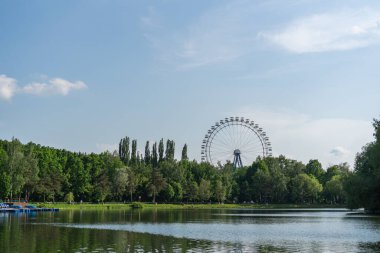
[114, 206]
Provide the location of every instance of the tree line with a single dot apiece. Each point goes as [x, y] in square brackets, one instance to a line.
[38, 173]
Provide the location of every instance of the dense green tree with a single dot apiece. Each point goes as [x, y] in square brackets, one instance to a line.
[120, 182]
[220, 192]
[101, 188]
[305, 188]
[363, 186]
[5, 185]
[190, 188]
[204, 190]
[314, 167]
[5, 180]
[178, 191]
[157, 183]
[30, 173]
[192, 191]
[79, 177]
[334, 189]
[132, 182]
[168, 192]
[261, 182]
[334, 170]
[172, 171]
[50, 185]
[279, 180]
[16, 167]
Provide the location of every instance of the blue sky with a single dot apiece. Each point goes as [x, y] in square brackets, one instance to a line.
[81, 75]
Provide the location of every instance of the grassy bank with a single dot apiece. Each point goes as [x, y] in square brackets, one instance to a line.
[91, 206]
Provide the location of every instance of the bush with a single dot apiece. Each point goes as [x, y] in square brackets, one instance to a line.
[136, 205]
[69, 197]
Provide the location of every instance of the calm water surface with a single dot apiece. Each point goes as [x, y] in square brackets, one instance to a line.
[221, 230]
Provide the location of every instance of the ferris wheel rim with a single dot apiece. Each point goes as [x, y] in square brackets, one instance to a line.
[246, 123]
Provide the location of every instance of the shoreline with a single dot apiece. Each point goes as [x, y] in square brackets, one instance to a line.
[139, 205]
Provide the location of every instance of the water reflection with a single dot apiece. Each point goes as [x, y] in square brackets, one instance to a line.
[189, 231]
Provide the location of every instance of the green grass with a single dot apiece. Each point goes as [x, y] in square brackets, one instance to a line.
[179, 206]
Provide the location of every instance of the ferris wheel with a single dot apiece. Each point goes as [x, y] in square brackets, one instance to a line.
[235, 139]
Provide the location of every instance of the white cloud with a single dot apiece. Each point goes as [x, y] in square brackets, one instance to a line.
[55, 86]
[232, 30]
[302, 137]
[339, 151]
[343, 30]
[8, 87]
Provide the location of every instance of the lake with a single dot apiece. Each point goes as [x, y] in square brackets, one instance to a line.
[191, 230]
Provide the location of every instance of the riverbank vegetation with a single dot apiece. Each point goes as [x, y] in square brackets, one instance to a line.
[141, 205]
[363, 186]
[38, 173]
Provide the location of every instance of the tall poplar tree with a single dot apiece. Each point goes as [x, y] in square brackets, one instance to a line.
[169, 152]
[161, 150]
[184, 153]
[147, 157]
[124, 152]
[134, 152]
[154, 155]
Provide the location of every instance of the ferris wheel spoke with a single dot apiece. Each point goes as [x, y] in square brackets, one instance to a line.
[222, 156]
[253, 144]
[220, 143]
[215, 149]
[248, 135]
[235, 134]
[239, 134]
[252, 136]
[222, 138]
[253, 154]
[254, 150]
[252, 141]
[243, 134]
[227, 134]
[244, 159]
[250, 145]
[232, 132]
[222, 152]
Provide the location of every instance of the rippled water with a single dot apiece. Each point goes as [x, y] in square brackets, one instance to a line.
[222, 230]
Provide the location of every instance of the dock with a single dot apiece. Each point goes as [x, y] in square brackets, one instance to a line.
[27, 210]
[23, 207]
